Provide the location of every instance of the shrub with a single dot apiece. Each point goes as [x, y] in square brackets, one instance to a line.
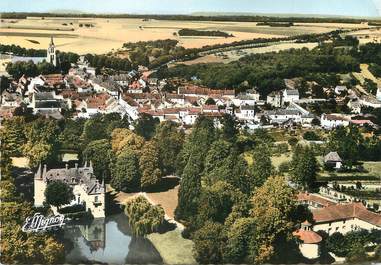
[311, 136]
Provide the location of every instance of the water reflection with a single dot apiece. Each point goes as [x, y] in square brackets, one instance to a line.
[108, 240]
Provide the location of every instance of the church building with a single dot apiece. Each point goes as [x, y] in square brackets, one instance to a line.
[51, 56]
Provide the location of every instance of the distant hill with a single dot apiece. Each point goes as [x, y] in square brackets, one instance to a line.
[281, 15]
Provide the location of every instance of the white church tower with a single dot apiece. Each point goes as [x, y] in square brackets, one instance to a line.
[51, 56]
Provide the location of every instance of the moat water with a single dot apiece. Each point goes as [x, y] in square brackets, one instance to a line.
[108, 240]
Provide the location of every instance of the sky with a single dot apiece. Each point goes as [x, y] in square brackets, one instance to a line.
[361, 8]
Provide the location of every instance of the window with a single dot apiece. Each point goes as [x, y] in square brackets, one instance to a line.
[96, 199]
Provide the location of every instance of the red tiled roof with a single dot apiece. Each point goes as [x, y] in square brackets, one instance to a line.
[308, 237]
[69, 94]
[53, 79]
[333, 117]
[135, 85]
[361, 122]
[210, 107]
[197, 90]
[346, 211]
[213, 114]
[302, 196]
[97, 101]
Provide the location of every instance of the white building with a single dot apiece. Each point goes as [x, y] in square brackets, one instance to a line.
[253, 93]
[340, 89]
[378, 94]
[86, 188]
[290, 95]
[344, 218]
[246, 112]
[243, 99]
[45, 101]
[283, 115]
[330, 121]
[369, 101]
[275, 99]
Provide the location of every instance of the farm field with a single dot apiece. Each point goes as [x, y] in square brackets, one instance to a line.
[230, 56]
[367, 35]
[102, 35]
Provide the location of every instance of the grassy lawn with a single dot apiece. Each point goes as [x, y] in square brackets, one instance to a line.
[69, 156]
[275, 160]
[173, 248]
[22, 162]
[373, 173]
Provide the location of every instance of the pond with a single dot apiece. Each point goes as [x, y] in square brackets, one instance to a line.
[108, 240]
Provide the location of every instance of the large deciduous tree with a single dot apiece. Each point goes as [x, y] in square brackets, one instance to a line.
[12, 136]
[208, 243]
[149, 165]
[273, 205]
[99, 152]
[346, 141]
[169, 142]
[42, 141]
[261, 169]
[145, 125]
[124, 139]
[125, 172]
[58, 193]
[241, 245]
[304, 167]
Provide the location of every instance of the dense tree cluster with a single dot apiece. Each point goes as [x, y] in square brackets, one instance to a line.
[259, 70]
[17, 246]
[351, 145]
[213, 33]
[105, 61]
[353, 245]
[225, 203]
[21, 68]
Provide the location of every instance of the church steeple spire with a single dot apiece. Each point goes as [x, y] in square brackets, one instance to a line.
[51, 56]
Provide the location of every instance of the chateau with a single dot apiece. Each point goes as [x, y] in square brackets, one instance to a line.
[86, 188]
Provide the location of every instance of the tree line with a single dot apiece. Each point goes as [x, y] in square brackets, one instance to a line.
[235, 18]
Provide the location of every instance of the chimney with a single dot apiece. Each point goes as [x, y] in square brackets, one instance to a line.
[76, 165]
[67, 166]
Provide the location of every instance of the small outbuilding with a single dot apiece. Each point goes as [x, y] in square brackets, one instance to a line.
[333, 160]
